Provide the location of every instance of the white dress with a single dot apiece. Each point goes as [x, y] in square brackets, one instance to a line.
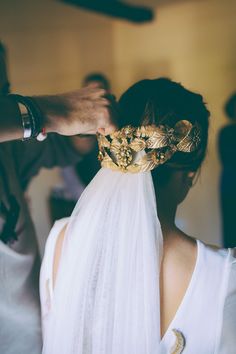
[206, 316]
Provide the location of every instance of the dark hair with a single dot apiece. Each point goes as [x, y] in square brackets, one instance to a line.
[230, 106]
[4, 84]
[97, 77]
[162, 101]
[2, 48]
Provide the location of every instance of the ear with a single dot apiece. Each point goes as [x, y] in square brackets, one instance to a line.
[190, 177]
[191, 174]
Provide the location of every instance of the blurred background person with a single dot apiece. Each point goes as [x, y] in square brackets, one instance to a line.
[20, 329]
[97, 79]
[227, 151]
[75, 178]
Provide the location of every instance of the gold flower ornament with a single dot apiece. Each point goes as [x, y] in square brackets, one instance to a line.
[121, 150]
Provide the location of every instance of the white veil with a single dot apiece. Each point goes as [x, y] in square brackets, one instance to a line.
[106, 297]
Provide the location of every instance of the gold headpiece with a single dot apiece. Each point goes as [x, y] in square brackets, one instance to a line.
[118, 151]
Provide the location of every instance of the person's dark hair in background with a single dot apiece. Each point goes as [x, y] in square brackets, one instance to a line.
[4, 81]
[99, 79]
[227, 152]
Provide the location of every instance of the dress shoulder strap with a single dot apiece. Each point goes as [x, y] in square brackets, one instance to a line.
[46, 288]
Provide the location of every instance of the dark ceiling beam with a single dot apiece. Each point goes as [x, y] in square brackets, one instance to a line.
[115, 8]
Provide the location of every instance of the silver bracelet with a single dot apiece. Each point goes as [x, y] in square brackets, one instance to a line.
[26, 121]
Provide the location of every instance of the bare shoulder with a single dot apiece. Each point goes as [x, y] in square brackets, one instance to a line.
[182, 248]
[57, 252]
[178, 263]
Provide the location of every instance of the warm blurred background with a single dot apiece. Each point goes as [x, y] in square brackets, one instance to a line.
[52, 46]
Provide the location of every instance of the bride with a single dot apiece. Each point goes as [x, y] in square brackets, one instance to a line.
[118, 276]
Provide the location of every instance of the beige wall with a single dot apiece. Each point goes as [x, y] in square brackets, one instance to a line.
[52, 46]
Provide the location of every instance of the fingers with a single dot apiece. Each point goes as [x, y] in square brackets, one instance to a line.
[101, 131]
[93, 85]
[110, 129]
[104, 102]
[108, 124]
[88, 93]
[92, 110]
[95, 93]
[99, 93]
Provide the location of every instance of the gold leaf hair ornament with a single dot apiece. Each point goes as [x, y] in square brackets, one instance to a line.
[121, 150]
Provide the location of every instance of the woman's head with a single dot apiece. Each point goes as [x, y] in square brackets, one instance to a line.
[162, 101]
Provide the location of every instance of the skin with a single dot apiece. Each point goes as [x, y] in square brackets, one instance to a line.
[85, 143]
[84, 111]
[179, 250]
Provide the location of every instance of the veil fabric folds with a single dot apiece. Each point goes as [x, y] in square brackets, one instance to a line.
[106, 296]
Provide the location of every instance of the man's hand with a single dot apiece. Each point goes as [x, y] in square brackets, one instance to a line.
[85, 111]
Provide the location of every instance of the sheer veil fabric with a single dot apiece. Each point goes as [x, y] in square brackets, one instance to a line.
[106, 296]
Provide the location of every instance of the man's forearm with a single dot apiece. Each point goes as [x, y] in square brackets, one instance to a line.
[11, 127]
[10, 120]
[85, 111]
